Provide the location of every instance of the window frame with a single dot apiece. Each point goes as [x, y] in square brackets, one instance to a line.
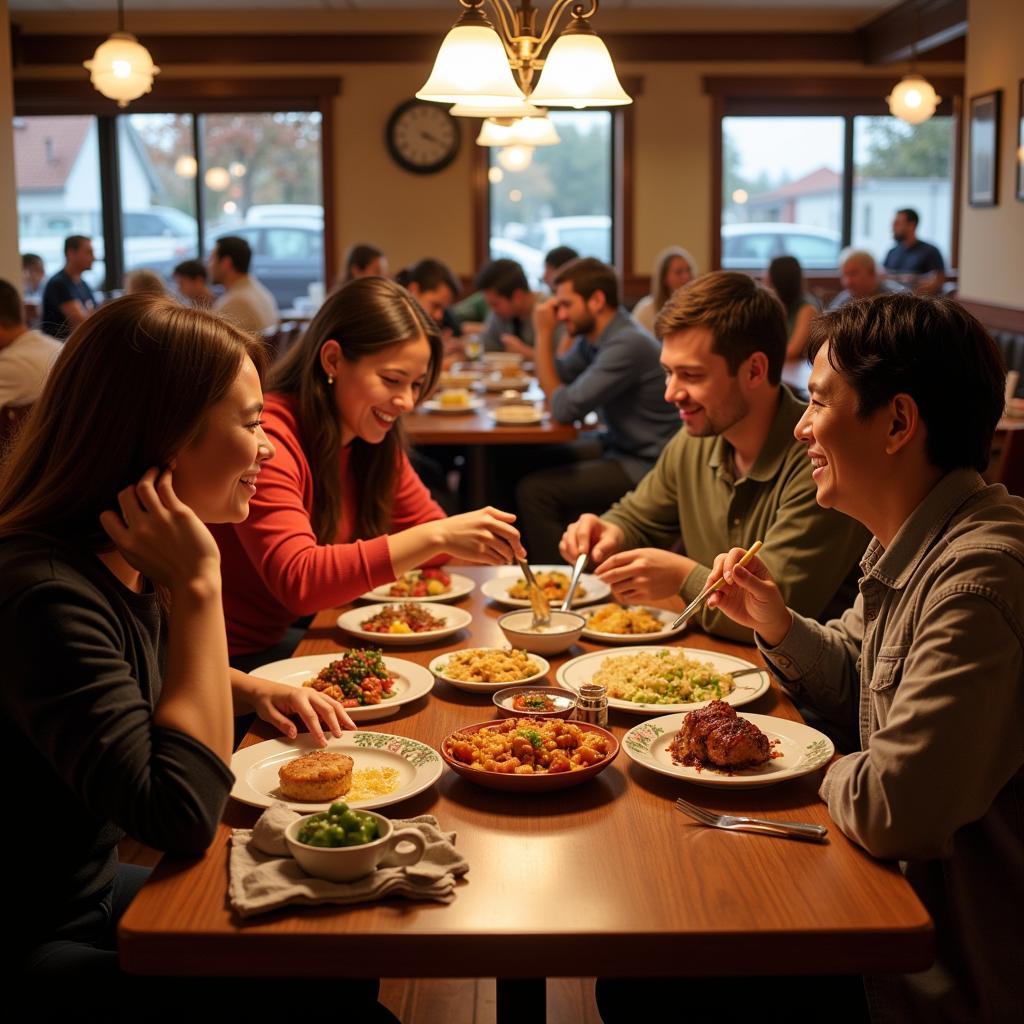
[809, 97]
[196, 97]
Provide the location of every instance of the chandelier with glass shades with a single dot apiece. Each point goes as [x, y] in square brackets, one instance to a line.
[121, 68]
[495, 71]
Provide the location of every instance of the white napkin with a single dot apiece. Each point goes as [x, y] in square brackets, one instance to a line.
[263, 876]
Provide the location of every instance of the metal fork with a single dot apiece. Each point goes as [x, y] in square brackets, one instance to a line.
[538, 599]
[788, 829]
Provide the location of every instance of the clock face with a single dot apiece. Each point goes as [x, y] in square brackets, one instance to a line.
[422, 137]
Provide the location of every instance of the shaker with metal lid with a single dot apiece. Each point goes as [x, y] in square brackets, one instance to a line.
[592, 705]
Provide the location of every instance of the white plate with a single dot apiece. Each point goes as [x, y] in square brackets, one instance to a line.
[581, 670]
[506, 384]
[412, 681]
[803, 750]
[496, 588]
[433, 405]
[471, 686]
[454, 618]
[256, 767]
[661, 614]
[460, 587]
[528, 418]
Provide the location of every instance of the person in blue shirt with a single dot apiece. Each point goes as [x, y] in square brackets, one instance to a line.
[914, 257]
[67, 299]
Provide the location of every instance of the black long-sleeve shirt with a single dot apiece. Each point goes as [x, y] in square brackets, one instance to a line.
[82, 667]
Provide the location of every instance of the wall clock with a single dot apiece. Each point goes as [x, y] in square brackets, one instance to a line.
[422, 137]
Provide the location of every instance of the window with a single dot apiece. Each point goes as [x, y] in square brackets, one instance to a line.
[57, 170]
[563, 196]
[899, 166]
[782, 190]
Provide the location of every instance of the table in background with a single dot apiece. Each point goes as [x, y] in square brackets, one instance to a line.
[603, 879]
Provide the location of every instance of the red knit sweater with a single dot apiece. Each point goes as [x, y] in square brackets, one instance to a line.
[274, 570]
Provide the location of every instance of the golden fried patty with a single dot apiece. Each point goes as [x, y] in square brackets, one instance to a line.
[321, 775]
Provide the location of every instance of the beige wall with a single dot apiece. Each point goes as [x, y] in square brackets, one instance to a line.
[10, 263]
[992, 239]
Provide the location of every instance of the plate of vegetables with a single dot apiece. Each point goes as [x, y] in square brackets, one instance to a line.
[434, 584]
[369, 684]
[409, 622]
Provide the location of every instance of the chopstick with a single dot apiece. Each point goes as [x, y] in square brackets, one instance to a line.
[695, 604]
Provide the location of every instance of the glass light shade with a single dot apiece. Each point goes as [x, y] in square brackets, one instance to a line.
[515, 158]
[186, 167]
[467, 108]
[579, 72]
[472, 65]
[913, 99]
[524, 131]
[121, 68]
[217, 179]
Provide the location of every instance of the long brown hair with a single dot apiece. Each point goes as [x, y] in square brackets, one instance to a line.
[364, 317]
[129, 389]
[660, 289]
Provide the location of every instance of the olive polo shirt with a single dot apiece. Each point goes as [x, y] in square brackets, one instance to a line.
[692, 493]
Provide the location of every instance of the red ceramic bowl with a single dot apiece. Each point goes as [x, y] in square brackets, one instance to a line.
[540, 783]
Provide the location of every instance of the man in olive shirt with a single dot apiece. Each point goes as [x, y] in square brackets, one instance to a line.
[732, 476]
[931, 653]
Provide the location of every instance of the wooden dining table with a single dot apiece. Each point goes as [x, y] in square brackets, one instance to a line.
[604, 879]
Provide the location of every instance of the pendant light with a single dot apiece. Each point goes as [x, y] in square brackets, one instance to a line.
[121, 68]
[913, 99]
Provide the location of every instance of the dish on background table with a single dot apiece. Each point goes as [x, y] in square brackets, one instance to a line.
[417, 766]
[800, 749]
[540, 782]
[577, 671]
[353, 621]
[665, 617]
[440, 663]
[411, 681]
[459, 586]
[497, 587]
[435, 405]
[503, 382]
[517, 415]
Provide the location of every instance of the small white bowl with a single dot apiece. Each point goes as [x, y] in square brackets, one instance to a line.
[560, 635]
[347, 863]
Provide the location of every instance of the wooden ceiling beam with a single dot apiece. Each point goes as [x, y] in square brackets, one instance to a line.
[921, 25]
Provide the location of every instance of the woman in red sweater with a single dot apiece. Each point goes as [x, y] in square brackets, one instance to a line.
[339, 510]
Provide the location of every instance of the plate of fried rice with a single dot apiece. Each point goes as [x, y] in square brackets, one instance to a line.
[664, 680]
[621, 624]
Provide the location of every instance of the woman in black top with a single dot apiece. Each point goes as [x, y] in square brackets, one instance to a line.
[117, 696]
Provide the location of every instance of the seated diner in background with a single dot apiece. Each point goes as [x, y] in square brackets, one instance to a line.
[931, 653]
[859, 275]
[25, 355]
[673, 268]
[144, 282]
[339, 510]
[732, 475]
[911, 257]
[363, 260]
[190, 279]
[117, 695]
[612, 369]
[554, 260]
[245, 300]
[785, 277]
[67, 298]
[509, 325]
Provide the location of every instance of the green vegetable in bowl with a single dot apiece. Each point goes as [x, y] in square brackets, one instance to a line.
[339, 826]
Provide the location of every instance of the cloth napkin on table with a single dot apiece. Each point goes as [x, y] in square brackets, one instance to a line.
[264, 876]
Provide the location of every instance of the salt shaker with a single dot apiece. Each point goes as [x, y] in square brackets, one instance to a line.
[592, 705]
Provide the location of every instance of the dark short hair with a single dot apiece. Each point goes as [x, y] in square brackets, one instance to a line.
[911, 215]
[428, 274]
[190, 269]
[560, 255]
[31, 259]
[360, 256]
[922, 347]
[237, 250]
[503, 276]
[743, 318]
[589, 275]
[12, 312]
[73, 242]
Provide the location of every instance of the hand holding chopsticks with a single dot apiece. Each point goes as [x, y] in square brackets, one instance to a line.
[713, 585]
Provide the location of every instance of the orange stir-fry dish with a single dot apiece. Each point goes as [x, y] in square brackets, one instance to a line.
[526, 746]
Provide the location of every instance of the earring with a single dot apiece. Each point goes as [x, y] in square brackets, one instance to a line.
[330, 378]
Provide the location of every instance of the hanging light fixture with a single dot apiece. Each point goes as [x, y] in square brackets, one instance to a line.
[913, 99]
[481, 65]
[468, 109]
[515, 158]
[121, 68]
[522, 131]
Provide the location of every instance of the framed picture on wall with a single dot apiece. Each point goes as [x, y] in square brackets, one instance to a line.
[983, 149]
[1019, 162]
